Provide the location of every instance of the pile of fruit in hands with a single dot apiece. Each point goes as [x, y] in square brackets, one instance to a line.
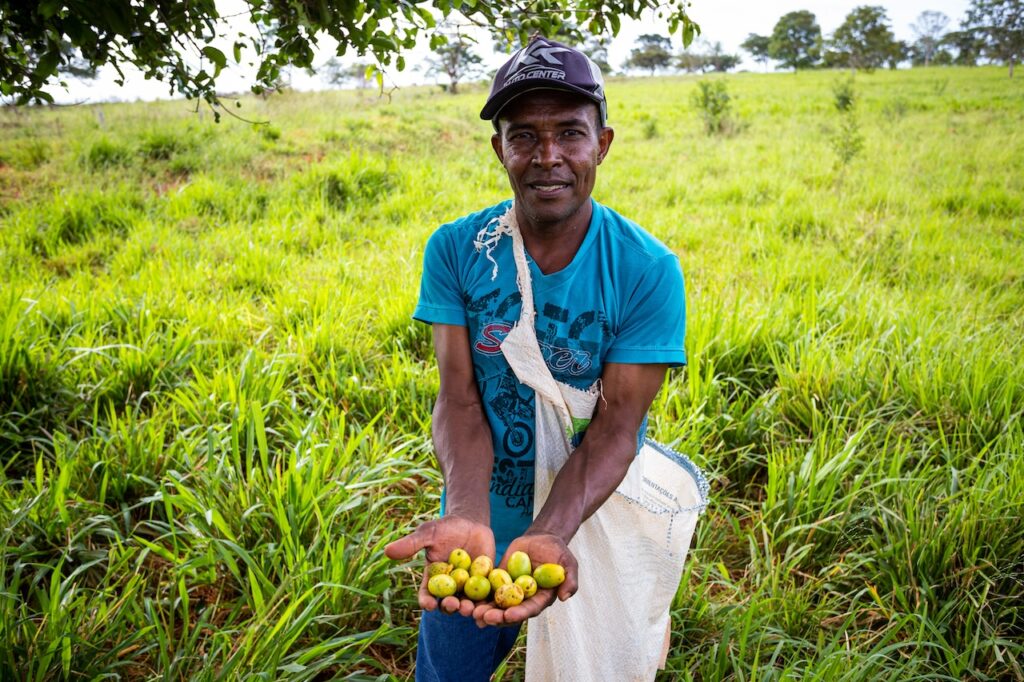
[477, 578]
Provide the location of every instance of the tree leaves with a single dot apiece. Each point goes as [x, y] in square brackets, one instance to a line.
[163, 39]
[217, 57]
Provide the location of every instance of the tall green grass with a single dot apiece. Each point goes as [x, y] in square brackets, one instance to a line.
[215, 410]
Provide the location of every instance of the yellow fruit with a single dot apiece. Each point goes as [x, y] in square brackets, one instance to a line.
[549, 575]
[477, 587]
[499, 577]
[438, 568]
[508, 595]
[528, 585]
[441, 585]
[481, 565]
[459, 558]
[519, 564]
[460, 576]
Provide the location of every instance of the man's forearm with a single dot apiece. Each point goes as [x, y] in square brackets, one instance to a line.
[593, 471]
[462, 441]
[588, 478]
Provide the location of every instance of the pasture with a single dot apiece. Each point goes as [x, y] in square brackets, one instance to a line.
[215, 408]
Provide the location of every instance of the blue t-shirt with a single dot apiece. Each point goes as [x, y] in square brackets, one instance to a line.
[620, 300]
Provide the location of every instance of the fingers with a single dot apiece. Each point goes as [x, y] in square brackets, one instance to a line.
[529, 608]
[486, 613]
[450, 604]
[571, 583]
[405, 547]
[466, 607]
[428, 602]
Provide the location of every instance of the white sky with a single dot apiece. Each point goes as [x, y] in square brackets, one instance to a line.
[725, 21]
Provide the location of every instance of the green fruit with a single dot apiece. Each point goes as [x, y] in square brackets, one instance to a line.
[438, 568]
[519, 564]
[441, 585]
[477, 587]
[459, 558]
[460, 576]
[499, 577]
[508, 595]
[481, 565]
[528, 585]
[549, 575]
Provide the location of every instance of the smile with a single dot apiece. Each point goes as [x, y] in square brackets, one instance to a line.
[548, 188]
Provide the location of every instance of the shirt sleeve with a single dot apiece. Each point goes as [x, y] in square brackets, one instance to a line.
[441, 300]
[654, 324]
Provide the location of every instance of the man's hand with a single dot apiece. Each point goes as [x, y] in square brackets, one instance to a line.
[439, 538]
[543, 549]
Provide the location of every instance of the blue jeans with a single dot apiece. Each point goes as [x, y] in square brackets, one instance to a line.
[452, 648]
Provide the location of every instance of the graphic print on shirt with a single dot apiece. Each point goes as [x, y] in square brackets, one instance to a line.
[571, 346]
[512, 476]
[570, 355]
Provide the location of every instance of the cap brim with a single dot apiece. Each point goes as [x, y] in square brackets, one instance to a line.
[493, 107]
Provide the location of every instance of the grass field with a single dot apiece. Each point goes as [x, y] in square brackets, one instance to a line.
[214, 407]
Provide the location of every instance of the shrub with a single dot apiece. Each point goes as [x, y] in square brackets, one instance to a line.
[27, 154]
[714, 104]
[162, 145]
[848, 142]
[844, 95]
[106, 153]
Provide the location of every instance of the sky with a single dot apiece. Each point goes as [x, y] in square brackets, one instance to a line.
[725, 21]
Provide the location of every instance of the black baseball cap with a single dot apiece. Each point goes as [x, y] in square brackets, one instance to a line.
[545, 65]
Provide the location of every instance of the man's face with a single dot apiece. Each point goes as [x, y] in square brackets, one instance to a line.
[551, 143]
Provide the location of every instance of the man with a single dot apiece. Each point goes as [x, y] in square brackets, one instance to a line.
[609, 308]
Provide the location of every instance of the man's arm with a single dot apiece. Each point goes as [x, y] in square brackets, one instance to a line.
[462, 442]
[462, 436]
[587, 479]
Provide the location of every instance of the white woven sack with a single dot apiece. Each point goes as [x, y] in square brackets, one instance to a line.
[630, 552]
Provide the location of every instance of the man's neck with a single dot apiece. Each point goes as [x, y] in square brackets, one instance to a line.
[552, 246]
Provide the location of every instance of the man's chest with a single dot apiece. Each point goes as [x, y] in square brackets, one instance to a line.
[574, 327]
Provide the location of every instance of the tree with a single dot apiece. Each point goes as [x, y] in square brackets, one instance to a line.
[596, 48]
[652, 52]
[455, 60]
[999, 24]
[796, 40]
[968, 46]
[174, 42]
[718, 60]
[692, 62]
[864, 39]
[335, 72]
[929, 28]
[758, 47]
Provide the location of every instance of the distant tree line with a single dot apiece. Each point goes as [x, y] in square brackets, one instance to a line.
[992, 29]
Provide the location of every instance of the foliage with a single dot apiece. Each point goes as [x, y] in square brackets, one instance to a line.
[177, 43]
[652, 52]
[691, 61]
[930, 29]
[596, 48]
[215, 410]
[848, 141]
[711, 57]
[865, 41]
[456, 61]
[968, 45]
[1000, 25]
[719, 61]
[844, 95]
[713, 102]
[758, 46]
[335, 72]
[796, 40]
